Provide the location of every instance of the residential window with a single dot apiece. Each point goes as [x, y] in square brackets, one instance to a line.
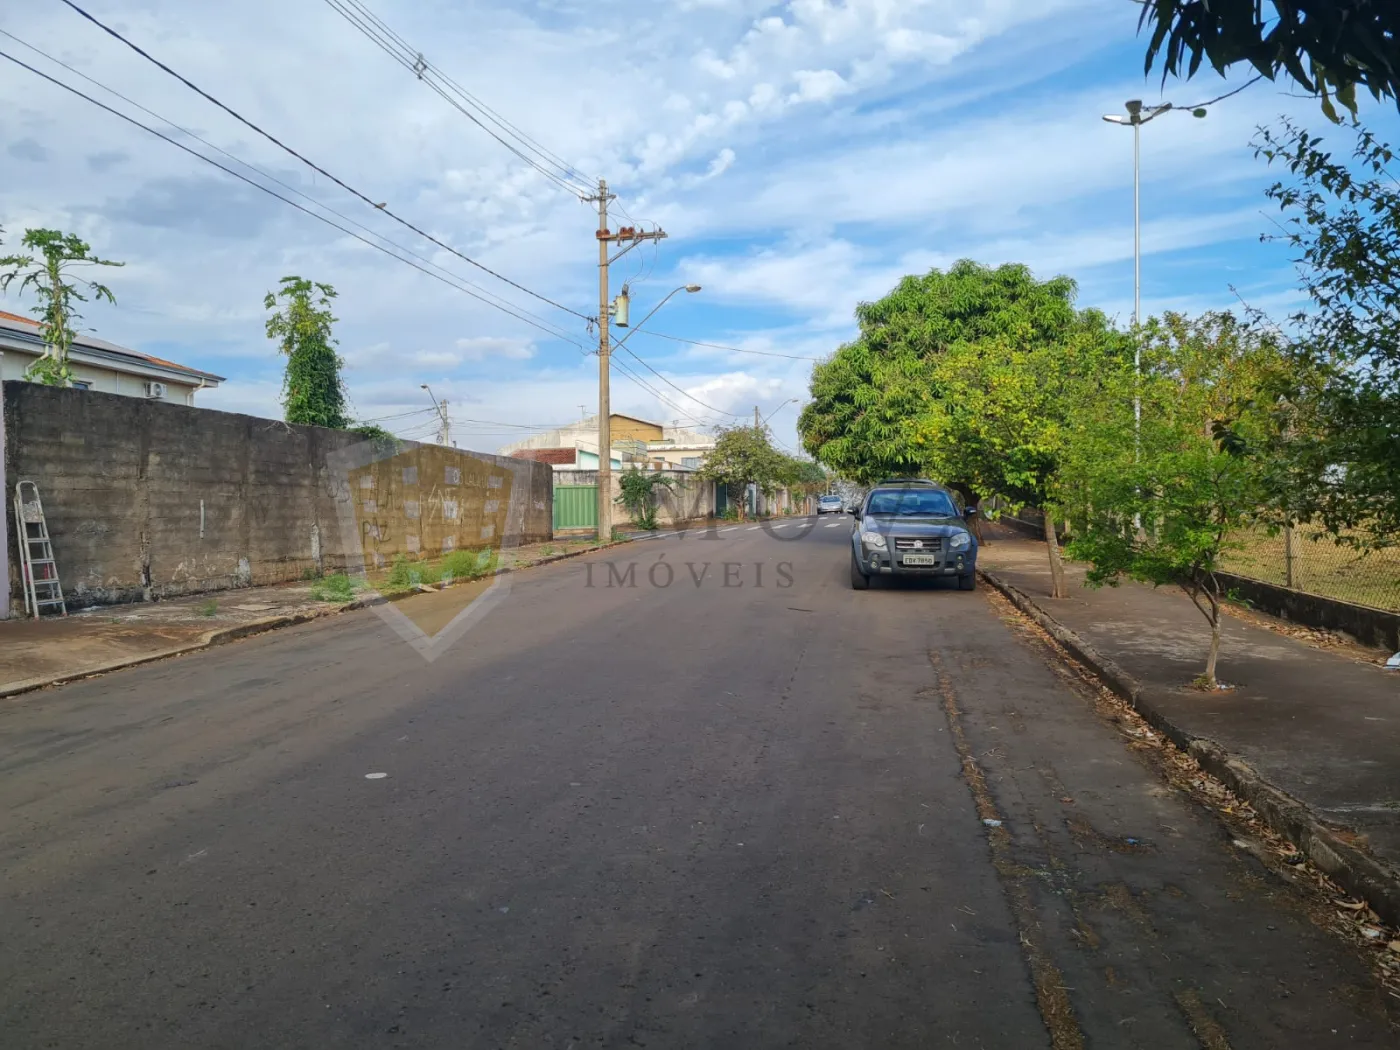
[82, 384]
[691, 461]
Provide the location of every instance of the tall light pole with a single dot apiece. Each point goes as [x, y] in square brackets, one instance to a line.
[444, 424]
[1136, 117]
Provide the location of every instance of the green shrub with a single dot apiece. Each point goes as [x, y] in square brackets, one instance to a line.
[400, 575]
[339, 588]
[209, 608]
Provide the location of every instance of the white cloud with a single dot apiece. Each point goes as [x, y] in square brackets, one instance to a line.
[821, 85]
[480, 348]
[802, 155]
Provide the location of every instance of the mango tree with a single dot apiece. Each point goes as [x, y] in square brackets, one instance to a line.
[999, 422]
[866, 398]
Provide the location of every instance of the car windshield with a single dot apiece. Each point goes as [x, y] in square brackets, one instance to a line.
[831, 499]
[912, 503]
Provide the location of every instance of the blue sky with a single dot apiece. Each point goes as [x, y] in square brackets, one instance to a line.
[802, 157]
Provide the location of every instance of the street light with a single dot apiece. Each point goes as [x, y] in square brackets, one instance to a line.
[445, 430]
[1137, 116]
[789, 401]
[692, 288]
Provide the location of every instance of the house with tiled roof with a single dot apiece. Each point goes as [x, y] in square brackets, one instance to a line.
[102, 366]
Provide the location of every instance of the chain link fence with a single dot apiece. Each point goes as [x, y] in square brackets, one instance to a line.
[1305, 559]
[1308, 559]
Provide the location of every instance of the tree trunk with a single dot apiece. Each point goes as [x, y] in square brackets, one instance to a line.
[976, 521]
[1211, 682]
[1057, 567]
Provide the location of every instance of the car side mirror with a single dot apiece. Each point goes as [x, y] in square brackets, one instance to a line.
[856, 514]
[970, 512]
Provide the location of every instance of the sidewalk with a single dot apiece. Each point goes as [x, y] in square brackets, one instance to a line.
[39, 653]
[1321, 726]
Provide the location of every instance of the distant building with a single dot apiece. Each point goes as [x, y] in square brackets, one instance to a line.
[635, 442]
[102, 366]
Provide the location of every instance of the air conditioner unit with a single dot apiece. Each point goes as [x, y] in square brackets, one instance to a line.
[155, 389]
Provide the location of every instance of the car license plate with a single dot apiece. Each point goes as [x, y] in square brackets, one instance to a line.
[920, 559]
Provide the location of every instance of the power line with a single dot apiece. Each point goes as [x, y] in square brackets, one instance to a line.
[628, 350]
[316, 167]
[414, 62]
[273, 193]
[500, 121]
[681, 412]
[1229, 94]
[399, 415]
[373, 27]
[273, 178]
[721, 346]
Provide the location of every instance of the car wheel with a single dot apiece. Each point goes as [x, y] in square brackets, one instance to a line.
[859, 581]
[968, 582]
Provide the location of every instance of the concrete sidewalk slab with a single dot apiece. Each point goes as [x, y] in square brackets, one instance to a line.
[39, 653]
[1322, 728]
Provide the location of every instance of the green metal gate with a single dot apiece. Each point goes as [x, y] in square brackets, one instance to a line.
[575, 507]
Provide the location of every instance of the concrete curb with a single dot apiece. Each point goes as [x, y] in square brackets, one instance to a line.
[224, 635]
[1359, 873]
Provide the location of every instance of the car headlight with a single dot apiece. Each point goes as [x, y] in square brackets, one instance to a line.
[873, 539]
[959, 541]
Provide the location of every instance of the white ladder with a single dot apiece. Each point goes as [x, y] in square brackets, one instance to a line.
[38, 569]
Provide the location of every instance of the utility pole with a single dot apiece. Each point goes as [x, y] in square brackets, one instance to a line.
[631, 237]
[444, 424]
[756, 423]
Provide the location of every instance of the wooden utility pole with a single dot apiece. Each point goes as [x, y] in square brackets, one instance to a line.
[631, 237]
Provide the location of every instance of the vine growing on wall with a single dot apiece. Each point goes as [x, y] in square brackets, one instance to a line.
[312, 390]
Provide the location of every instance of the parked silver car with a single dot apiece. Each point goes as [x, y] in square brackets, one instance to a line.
[829, 505]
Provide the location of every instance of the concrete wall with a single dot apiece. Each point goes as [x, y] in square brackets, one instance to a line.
[147, 499]
[1368, 626]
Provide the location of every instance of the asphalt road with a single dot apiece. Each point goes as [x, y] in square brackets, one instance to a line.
[623, 813]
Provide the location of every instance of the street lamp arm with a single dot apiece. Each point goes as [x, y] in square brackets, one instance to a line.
[789, 401]
[658, 306]
[433, 398]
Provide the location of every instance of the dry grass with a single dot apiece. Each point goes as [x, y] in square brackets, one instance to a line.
[1320, 567]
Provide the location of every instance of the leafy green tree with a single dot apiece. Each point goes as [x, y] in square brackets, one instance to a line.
[1339, 461]
[312, 390]
[805, 476]
[744, 456]
[866, 397]
[1161, 504]
[1000, 421]
[48, 275]
[1330, 47]
[638, 495]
